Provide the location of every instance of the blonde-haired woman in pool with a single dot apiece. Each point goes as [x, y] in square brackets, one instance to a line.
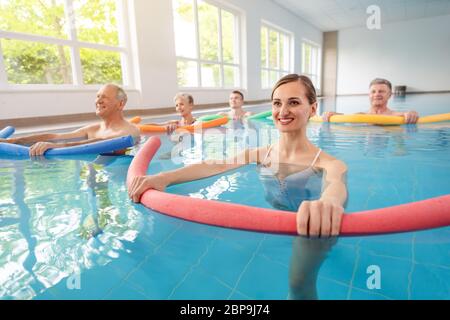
[184, 104]
[296, 176]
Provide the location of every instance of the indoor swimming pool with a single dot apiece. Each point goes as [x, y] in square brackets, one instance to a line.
[69, 231]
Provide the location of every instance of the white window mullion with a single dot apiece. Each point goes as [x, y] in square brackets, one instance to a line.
[308, 60]
[124, 41]
[231, 64]
[313, 70]
[267, 47]
[222, 75]
[237, 40]
[311, 57]
[197, 39]
[57, 41]
[313, 60]
[319, 67]
[291, 46]
[268, 57]
[237, 49]
[278, 52]
[303, 58]
[281, 60]
[77, 76]
[3, 75]
[34, 38]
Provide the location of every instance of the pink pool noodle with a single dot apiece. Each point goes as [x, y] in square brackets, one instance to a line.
[426, 214]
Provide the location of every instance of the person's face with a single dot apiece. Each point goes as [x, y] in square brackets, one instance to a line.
[291, 109]
[236, 101]
[183, 106]
[106, 102]
[379, 95]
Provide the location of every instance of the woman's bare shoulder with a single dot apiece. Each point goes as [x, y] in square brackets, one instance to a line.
[328, 161]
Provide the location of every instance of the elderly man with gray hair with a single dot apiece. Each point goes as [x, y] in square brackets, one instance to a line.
[110, 102]
[380, 91]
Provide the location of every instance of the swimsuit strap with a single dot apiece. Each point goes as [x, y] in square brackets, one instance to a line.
[267, 154]
[315, 159]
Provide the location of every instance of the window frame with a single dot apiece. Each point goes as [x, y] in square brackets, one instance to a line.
[318, 56]
[290, 41]
[199, 61]
[74, 45]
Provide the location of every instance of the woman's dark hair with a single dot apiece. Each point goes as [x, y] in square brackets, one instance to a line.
[310, 90]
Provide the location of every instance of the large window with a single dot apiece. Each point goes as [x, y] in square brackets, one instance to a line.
[62, 42]
[207, 45]
[310, 62]
[275, 55]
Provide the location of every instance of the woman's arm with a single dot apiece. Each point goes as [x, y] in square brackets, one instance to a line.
[335, 176]
[189, 173]
[322, 218]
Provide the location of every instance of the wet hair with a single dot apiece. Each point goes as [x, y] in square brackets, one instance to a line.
[184, 95]
[239, 93]
[310, 90]
[121, 95]
[381, 81]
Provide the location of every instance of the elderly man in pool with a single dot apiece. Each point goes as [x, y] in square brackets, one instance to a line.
[380, 91]
[110, 101]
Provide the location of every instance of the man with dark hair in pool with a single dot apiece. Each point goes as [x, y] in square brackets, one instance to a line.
[236, 101]
[380, 90]
[110, 101]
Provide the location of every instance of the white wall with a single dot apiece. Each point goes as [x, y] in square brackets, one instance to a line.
[24, 104]
[415, 53]
[153, 51]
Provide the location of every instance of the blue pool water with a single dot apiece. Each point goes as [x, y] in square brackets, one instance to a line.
[69, 231]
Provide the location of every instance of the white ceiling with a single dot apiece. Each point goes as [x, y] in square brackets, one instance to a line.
[330, 15]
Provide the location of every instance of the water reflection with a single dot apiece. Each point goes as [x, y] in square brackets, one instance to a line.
[370, 141]
[72, 216]
[225, 183]
[308, 255]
